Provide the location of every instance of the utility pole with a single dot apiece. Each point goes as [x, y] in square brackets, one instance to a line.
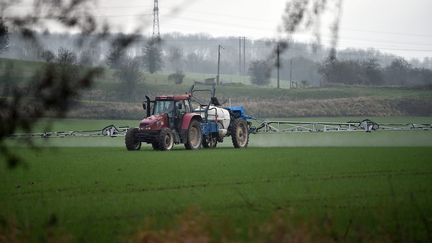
[244, 55]
[240, 57]
[218, 64]
[278, 64]
[291, 83]
[156, 32]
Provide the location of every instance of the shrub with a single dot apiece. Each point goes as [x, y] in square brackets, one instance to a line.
[177, 77]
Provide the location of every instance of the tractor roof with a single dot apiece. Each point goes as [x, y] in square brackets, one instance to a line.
[173, 97]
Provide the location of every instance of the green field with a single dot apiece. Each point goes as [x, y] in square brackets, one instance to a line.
[105, 194]
[325, 186]
[309, 187]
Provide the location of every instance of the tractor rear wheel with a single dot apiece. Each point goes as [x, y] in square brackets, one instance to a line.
[166, 139]
[131, 141]
[209, 142]
[239, 133]
[194, 135]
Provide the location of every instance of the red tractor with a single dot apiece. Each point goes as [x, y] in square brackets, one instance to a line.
[176, 119]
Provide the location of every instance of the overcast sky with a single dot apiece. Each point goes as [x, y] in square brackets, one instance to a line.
[401, 27]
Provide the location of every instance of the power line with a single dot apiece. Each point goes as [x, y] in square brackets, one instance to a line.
[242, 17]
[301, 49]
[95, 7]
[396, 49]
[378, 41]
[236, 26]
[61, 17]
[386, 32]
[239, 17]
[231, 25]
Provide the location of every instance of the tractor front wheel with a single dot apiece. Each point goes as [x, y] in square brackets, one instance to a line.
[131, 141]
[194, 135]
[166, 139]
[239, 133]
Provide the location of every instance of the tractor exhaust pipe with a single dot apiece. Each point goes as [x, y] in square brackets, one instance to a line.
[147, 105]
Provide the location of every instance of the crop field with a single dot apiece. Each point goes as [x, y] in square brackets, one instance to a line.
[351, 186]
[104, 194]
[338, 186]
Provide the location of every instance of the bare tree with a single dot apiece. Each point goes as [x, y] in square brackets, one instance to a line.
[153, 56]
[66, 57]
[52, 89]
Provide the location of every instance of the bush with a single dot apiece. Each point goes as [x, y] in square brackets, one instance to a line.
[177, 77]
[260, 72]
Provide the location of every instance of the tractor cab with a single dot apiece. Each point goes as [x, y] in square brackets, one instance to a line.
[165, 111]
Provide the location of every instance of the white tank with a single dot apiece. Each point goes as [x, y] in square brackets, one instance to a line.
[221, 116]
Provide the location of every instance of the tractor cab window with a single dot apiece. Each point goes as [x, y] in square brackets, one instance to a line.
[182, 107]
[164, 106]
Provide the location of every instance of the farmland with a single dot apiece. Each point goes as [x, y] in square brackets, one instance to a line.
[339, 186]
[97, 191]
[104, 99]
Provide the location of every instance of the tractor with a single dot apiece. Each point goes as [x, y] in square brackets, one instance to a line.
[187, 119]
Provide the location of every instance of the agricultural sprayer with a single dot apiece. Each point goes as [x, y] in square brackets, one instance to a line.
[197, 122]
[189, 120]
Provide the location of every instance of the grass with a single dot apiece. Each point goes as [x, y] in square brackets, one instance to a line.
[102, 194]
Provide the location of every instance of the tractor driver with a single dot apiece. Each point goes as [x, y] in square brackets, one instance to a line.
[178, 113]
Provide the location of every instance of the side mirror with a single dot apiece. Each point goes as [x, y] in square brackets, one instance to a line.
[179, 106]
[144, 106]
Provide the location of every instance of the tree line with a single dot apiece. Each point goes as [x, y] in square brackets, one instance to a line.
[178, 54]
[370, 72]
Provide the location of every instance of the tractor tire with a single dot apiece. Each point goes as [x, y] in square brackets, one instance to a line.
[165, 140]
[131, 143]
[239, 131]
[209, 142]
[194, 135]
